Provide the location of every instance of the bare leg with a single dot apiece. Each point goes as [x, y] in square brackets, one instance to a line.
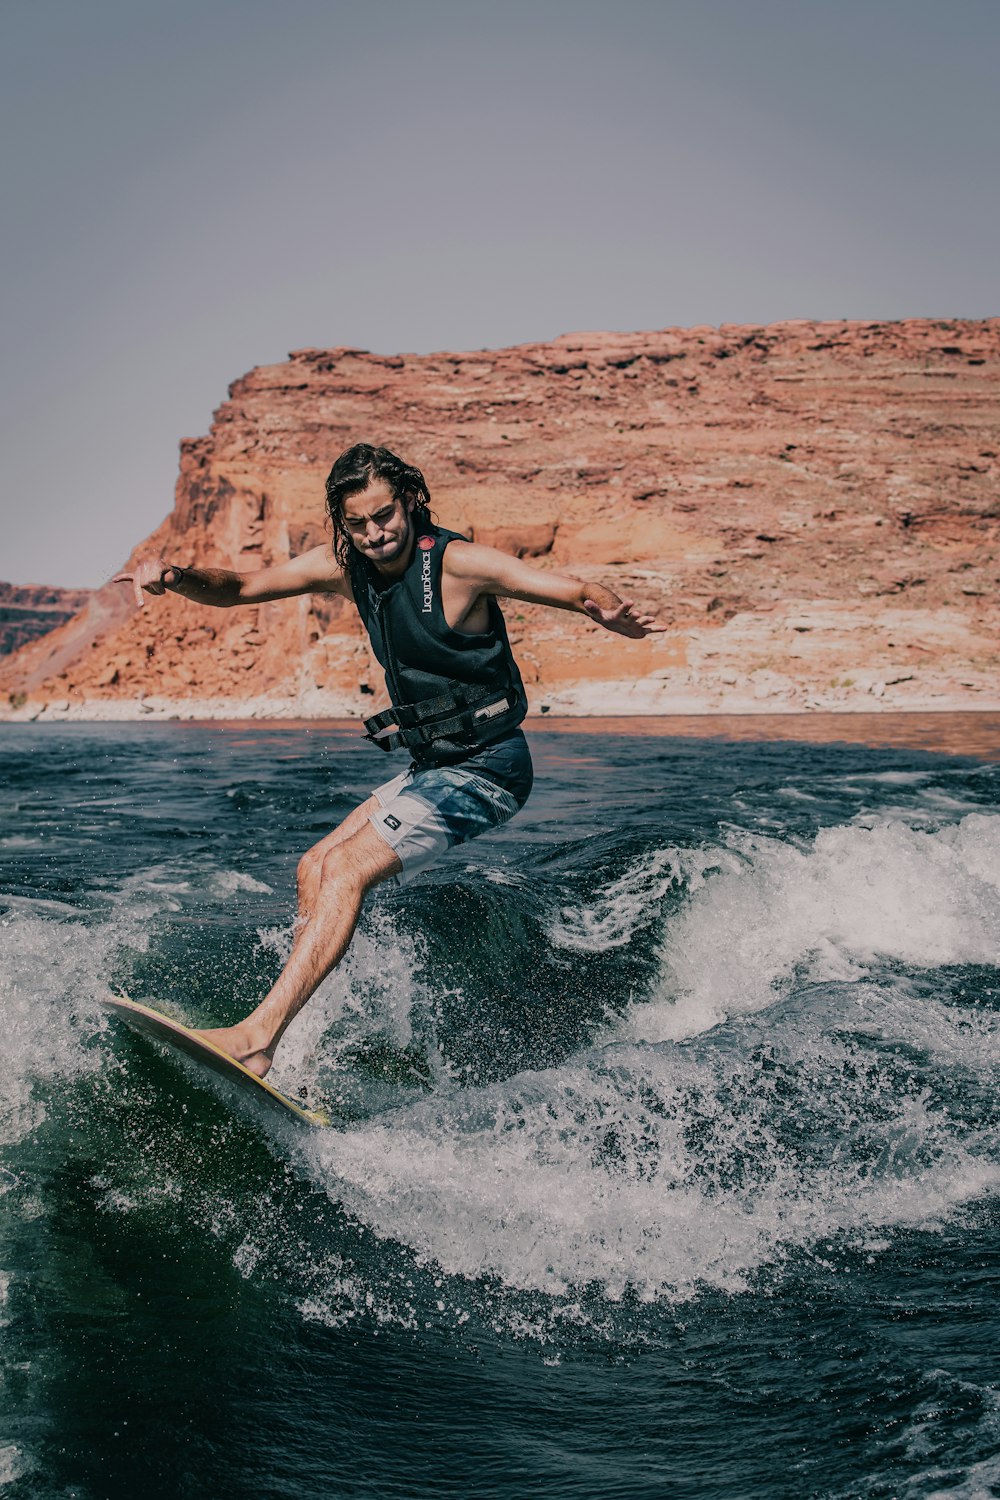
[310, 868]
[332, 889]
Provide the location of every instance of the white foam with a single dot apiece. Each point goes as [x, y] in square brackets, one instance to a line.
[663, 1168]
[928, 1441]
[626, 903]
[228, 882]
[49, 979]
[652, 1163]
[167, 885]
[373, 990]
[14, 1463]
[980, 1482]
[853, 897]
[654, 1169]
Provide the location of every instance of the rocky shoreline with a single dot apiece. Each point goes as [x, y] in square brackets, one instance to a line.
[653, 699]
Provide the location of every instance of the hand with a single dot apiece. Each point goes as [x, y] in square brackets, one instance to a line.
[623, 620]
[151, 575]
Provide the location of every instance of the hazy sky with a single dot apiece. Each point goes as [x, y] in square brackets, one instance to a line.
[194, 187]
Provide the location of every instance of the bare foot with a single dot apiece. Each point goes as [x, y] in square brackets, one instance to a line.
[241, 1044]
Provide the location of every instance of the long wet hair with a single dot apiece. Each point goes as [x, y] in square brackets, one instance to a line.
[353, 472]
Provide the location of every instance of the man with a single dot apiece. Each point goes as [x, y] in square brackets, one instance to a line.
[428, 599]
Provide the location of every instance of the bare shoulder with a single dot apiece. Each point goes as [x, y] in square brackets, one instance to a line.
[320, 567]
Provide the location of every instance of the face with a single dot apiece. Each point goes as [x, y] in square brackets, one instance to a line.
[378, 524]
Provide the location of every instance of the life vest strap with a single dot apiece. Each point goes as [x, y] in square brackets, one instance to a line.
[458, 712]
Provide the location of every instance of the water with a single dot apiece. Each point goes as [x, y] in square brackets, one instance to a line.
[666, 1159]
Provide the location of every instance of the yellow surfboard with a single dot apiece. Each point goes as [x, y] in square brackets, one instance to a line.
[161, 1028]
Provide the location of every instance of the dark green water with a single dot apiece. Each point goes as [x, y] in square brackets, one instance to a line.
[666, 1161]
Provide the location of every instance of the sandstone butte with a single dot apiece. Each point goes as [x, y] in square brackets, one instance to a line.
[812, 508]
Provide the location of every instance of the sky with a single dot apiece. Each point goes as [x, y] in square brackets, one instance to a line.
[194, 187]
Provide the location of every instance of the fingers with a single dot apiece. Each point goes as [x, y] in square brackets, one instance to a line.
[133, 579]
[636, 625]
[147, 576]
[623, 619]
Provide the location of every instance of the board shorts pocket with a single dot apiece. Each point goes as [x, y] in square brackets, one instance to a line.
[428, 810]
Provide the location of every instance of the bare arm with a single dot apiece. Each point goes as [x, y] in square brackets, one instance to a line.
[487, 571]
[313, 572]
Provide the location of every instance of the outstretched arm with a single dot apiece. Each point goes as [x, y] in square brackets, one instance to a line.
[486, 571]
[312, 572]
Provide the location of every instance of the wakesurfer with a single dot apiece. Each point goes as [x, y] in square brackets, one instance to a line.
[428, 599]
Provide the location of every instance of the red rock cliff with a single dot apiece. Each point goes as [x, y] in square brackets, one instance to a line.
[30, 610]
[813, 508]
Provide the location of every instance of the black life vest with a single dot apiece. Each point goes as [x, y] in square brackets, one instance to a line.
[451, 692]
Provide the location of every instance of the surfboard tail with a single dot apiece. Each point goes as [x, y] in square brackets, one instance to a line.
[151, 1023]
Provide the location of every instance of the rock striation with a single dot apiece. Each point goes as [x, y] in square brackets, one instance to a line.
[812, 508]
[30, 610]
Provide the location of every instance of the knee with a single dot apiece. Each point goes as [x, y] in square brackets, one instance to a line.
[310, 868]
[337, 876]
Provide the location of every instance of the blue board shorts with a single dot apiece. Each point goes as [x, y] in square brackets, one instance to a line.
[428, 809]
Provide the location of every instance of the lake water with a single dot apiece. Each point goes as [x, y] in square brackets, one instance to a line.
[666, 1157]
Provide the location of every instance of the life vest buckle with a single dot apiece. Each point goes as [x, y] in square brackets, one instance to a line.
[455, 714]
